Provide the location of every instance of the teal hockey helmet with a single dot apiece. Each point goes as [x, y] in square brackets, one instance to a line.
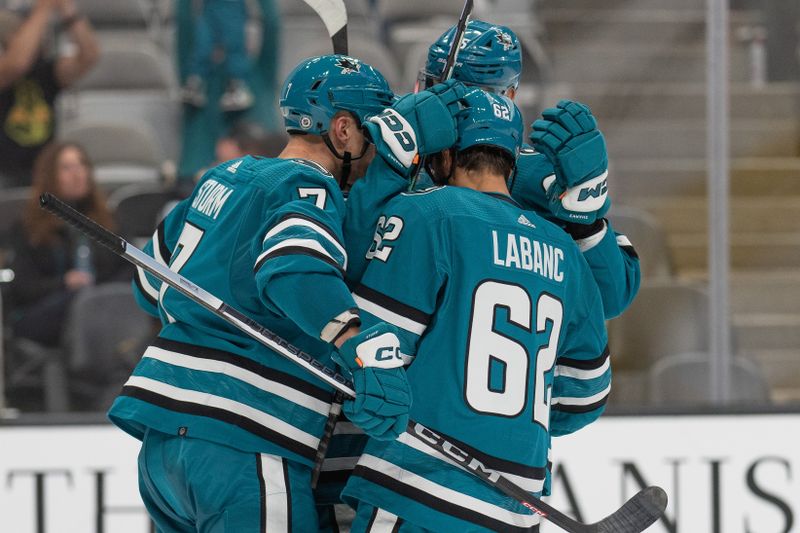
[490, 58]
[321, 86]
[490, 119]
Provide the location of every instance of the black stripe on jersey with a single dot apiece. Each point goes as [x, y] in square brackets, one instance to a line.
[496, 463]
[271, 374]
[139, 286]
[585, 364]
[166, 255]
[393, 305]
[189, 408]
[580, 409]
[443, 506]
[396, 528]
[262, 493]
[298, 250]
[314, 221]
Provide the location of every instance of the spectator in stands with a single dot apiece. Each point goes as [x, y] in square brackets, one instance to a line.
[249, 138]
[51, 261]
[30, 82]
[219, 26]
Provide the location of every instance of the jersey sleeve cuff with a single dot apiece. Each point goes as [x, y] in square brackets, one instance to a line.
[587, 243]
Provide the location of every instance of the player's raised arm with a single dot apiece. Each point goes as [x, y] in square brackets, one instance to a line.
[566, 180]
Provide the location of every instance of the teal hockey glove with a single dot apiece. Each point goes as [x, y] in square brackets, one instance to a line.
[383, 395]
[568, 136]
[417, 124]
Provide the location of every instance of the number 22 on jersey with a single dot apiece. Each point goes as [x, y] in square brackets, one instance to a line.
[488, 349]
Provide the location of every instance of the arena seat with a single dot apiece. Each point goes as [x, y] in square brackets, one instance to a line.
[105, 336]
[648, 238]
[137, 208]
[121, 153]
[133, 82]
[664, 318]
[109, 14]
[683, 379]
[12, 205]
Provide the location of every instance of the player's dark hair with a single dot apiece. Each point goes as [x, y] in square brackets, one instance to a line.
[475, 158]
[486, 158]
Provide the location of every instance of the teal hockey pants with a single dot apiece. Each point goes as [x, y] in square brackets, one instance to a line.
[193, 485]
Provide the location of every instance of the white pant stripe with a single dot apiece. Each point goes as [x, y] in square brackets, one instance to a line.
[383, 522]
[277, 494]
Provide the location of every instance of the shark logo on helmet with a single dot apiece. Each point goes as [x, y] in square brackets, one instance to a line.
[348, 65]
[504, 39]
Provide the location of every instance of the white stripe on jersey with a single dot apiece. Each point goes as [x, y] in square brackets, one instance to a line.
[309, 244]
[384, 522]
[566, 400]
[296, 221]
[531, 485]
[277, 496]
[577, 373]
[203, 398]
[389, 316]
[151, 291]
[447, 494]
[237, 372]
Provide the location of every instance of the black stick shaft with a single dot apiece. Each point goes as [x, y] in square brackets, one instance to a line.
[269, 339]
[85, 224]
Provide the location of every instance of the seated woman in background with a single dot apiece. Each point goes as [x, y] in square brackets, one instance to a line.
[51, 261]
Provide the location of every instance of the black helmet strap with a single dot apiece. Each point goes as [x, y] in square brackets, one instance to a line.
[346, 158]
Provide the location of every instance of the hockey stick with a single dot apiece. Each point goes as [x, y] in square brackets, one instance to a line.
[447, 72]
[634, 516]
[334, 15]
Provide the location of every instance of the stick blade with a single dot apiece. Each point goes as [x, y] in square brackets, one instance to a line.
[638, 513]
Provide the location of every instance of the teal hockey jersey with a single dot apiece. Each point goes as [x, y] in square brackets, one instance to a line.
[506, 329]
[264, 235]
[610, 255]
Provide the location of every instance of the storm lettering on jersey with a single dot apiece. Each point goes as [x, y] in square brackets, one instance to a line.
[211, 197]
[520, 252]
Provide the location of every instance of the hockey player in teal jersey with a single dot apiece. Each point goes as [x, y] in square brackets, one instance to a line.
[563, 176]
[230, 429]
[504, 333]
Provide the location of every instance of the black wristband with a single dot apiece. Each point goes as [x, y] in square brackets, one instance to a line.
[582, 231]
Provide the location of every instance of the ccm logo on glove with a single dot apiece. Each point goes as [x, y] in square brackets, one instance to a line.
[381, 351]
